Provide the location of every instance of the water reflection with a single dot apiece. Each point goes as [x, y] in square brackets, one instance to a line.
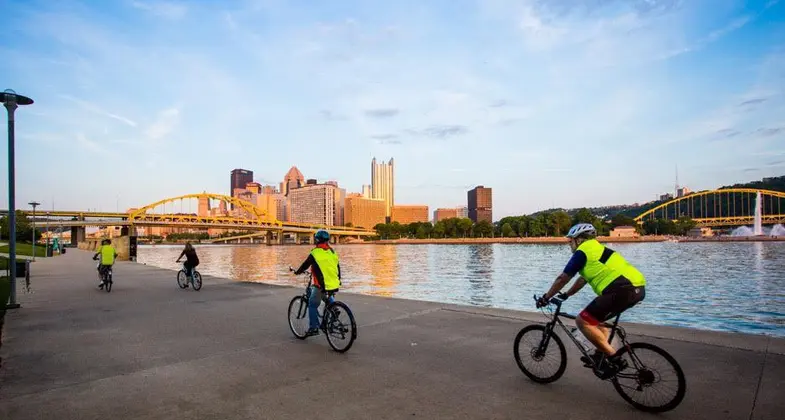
[723, 286]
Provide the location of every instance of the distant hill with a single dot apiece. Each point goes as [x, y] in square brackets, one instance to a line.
[776, 183]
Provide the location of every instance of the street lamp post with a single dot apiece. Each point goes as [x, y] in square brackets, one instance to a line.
[11, 100]
[34, 204]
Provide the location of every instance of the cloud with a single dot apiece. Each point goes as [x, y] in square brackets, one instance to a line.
[728, 132]
[500, 103]
[168, 10]
[98, 110]
[389, 141]
[441, 131]
[776, 163]
[754, 101]
[166, 122]
[89, 145]
[331, 116]
[382, 112]
[384, 136]
[768, 132]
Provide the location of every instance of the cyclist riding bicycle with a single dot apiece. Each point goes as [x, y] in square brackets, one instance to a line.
[191, 259]
[326, 276]
[108, 255]
[618, 284]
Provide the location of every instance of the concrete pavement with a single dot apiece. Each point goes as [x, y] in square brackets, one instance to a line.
[149, 350]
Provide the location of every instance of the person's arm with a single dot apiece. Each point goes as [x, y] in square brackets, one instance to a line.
[181, 256]
[305, 265]
[576, 264]
[576, 287]
[98, 251]
[339, 271]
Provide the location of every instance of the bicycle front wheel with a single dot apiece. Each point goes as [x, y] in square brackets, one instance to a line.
[182, 279]
[108, 285]
[652, 380]
[197, 280]
[341, 329]
[540, 354]
[298, 317]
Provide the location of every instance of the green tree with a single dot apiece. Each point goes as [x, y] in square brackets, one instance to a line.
[683, 225]
[621, 219]
[465, 226]
[560, 222]
[438, 229]
[523, 226]
[583, 215]
[24, 228]
[507, 230]
[483, 229]
[537, 226]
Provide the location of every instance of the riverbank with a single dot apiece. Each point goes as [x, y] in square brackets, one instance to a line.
[562, 240]
[150, 350]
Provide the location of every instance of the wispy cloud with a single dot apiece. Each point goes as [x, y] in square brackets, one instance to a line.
[382, 112]
[441, 131]
[384, 136]
[166, 122]
[165, 9]
[769, 132]
[331, 116]
[98, 110]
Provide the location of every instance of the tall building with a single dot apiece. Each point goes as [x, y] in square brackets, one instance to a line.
[204, 207]
[292, 180]
[366, 191]
[383, 183]
[321, 204]
[364, 212]
[239, 178]
[409, 214]
[462, 212]
[254, 187]
[480, 204]
[442, 214]
[274, 204]
[682, 192]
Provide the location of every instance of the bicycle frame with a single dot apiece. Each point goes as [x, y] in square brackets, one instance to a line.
[556, 320]
[329, 299]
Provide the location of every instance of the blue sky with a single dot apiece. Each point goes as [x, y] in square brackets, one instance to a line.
[552, 103]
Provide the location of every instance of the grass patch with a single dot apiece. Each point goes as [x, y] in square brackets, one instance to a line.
[26, 249]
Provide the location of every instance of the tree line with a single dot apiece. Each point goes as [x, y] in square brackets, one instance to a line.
[24, 228]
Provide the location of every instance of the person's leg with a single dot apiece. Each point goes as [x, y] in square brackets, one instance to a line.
[314, 300]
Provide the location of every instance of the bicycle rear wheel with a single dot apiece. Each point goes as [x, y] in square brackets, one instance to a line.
[108, 283]
[537, 356]
[652, 381]
[196, 280]
[340, 327]
[182, 279]
[298, 316]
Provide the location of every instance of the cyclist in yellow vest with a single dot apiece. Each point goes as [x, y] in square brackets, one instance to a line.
[107, 255]
[618, 284]
[325, 273]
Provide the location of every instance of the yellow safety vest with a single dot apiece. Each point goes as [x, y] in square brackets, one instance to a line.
[107, 254]
[327, 260]
[604, 265]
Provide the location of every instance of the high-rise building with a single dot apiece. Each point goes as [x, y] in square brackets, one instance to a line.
[293, 179]
[366, 191]
[409, 214]
[204, 207]
[254, 187]
[274, 205]
[364, 212]
[239, 178]
[383, 183]
[462, 212]
[480, 204]
[321, 204]
[682, 192]
[442, 214]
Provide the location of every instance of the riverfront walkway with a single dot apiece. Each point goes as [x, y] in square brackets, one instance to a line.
[149, 350]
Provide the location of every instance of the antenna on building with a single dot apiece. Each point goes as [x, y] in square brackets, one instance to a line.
[676, 192]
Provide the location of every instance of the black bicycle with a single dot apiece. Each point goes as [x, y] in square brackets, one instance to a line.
[646, 376]
[340, 333]
[105, 273]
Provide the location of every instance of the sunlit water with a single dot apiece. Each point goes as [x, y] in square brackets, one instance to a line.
[716, 286]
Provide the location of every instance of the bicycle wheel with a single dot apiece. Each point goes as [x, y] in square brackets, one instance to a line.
[108, 283]
[298, 316]
[340, 328]
[650, 373]
[538, 347]
[196, 280]
[182, 279]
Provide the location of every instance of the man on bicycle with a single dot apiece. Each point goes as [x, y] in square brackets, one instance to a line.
[107, 255]
[325, 273]
[618, 284]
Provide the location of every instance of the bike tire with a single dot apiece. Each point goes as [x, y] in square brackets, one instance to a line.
[182, 279]
[196, 280]
[300, 305]
[108, 284]
[530, 355]
[680, 390]
[333, 341]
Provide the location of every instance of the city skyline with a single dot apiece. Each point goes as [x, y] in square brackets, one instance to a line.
[557, 98]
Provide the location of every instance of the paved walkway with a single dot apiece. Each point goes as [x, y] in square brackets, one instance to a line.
[149, 350]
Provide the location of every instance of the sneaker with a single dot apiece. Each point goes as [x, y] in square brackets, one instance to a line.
[101, 285]
[595, 359]
[311, 332]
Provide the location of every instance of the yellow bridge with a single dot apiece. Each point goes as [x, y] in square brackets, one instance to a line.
[246, 217]
[721, 208]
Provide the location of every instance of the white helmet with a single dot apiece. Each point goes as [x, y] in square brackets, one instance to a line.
[580, 229]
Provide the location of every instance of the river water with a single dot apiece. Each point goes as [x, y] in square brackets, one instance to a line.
[736, 286]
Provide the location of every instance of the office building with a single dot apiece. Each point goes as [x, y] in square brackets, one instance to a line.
[409, 214]
[366, 191]
[275, 205]
[321, 204]
[383, 184]
[364, 212]
[480, 204]
[294, 179]
[239, 178]
[204, 207]
[682, 192]
[254, 187]
[442, 214]
[462, 212]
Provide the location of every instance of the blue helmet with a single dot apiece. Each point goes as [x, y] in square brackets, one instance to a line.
[321, 236]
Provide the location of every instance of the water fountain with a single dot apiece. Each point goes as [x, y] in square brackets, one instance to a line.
[757, 228]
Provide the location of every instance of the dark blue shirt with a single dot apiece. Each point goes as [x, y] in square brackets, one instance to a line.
[575, 264]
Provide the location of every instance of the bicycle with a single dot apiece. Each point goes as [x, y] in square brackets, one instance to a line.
[631, 368]
[105, 275]
[183, 279]
[331, 324]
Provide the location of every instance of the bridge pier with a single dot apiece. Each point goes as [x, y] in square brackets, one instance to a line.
[78, 234]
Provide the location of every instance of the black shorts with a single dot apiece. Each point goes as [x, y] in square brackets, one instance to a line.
[616, 298]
